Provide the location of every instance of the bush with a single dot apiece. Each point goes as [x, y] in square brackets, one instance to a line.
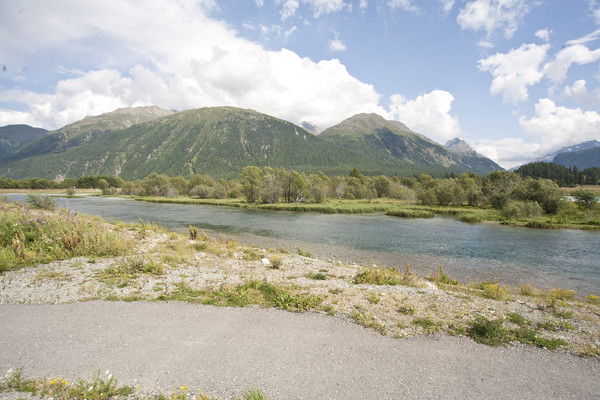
[41, 202]
[522, 209]
[585, 198]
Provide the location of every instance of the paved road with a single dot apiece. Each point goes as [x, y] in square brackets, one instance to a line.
[225, 351]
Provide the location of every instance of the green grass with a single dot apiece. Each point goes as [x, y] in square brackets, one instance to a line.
[382, 276]
[410, 213]
[30, 237]
[494, 333]
[252, 292]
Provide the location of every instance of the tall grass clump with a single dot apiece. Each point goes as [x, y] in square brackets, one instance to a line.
[383, 276]
[410, 213]
[29, 237]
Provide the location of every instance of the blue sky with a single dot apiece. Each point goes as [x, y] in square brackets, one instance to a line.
[516, 79]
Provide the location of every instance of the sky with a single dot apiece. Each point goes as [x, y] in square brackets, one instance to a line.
[516, 79]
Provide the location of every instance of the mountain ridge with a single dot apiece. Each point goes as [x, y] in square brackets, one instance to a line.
[220, 141]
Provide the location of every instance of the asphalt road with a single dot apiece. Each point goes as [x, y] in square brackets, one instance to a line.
[225, 351]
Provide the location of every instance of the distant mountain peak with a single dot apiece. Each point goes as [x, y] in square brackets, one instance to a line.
[460, 146]
[570, 149]
[311, 127]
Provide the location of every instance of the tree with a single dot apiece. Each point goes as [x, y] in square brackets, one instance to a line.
[251, 179]
[585, 198]
[382, 186]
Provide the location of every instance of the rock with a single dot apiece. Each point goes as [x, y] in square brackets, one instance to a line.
[265, 262]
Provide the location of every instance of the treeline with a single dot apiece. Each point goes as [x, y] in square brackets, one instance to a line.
[515, 195]
[564, 176]
[85, 182]
[507, 191]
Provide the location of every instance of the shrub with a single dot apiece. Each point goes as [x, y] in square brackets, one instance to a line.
[382, 276]
[410, 213]
[585, 198]
[41, 202]
[522, 209]
[489, 332]
[593, 299]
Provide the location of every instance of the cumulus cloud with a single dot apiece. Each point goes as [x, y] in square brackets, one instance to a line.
[514, 71]
[336, 45]
[552, 128]
[579, 92]
[428, 114]
[493, 15]
[171, 55]
[559, 126]
[543, 34]
[557, 69]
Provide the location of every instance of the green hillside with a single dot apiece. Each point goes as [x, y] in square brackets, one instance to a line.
[220, 141]
[12, 136]
[581, 159]
[79, 132]
[393, 142]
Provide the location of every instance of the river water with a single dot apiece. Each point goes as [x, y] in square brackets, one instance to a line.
[568, 259]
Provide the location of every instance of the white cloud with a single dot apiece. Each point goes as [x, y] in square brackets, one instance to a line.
[486, 44]
[514, 71]
[493, 15]
[558, 126]
[289, 9]
[544, 34]
[363, 4]
[447, 5]
[260, 3]
[428, 114]
[170, 55]
[336, 45]
[509, 152]
[406, 5]
[590, 37]
[320, 7]
[580, 93]
[557, 69]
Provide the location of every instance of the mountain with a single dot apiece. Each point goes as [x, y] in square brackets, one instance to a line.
[393, 141]
[220, 141]
[309, 126]
[12, 136]
[585, 158]
[79, 132]
[570, 149]
[460, 146]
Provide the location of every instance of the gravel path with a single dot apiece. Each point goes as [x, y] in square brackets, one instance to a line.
[225, 351]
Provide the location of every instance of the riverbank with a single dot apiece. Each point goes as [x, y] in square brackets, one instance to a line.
[569, 216]
[165, 266]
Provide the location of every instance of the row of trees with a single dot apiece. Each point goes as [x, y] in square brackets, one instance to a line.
[499, 189]
[268, 185]
[84, 182]
[564, 176]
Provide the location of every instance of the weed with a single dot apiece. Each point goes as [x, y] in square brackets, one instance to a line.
[410, 213]
[254, 394]
[518, 319]
[303, 253]
[373, 298]
[526, 290]
[489, 332]
[381, 276]
[441, 277]
[429, 326]
[404, 310]
[193, 232]
[589, 351]
[562, 294]
[593, 299]
[492, 291]
[319, 276]
[276, 262]
[469, 218]
[564, 314]
[456, 329]
[362, 317]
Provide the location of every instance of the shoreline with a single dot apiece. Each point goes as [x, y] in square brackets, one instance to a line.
[168, 266]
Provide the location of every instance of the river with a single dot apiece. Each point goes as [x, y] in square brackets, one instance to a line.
[568, 259]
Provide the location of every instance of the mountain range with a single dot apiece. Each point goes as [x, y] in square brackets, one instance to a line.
[220, 141]
[583, 155]
[12, 136]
